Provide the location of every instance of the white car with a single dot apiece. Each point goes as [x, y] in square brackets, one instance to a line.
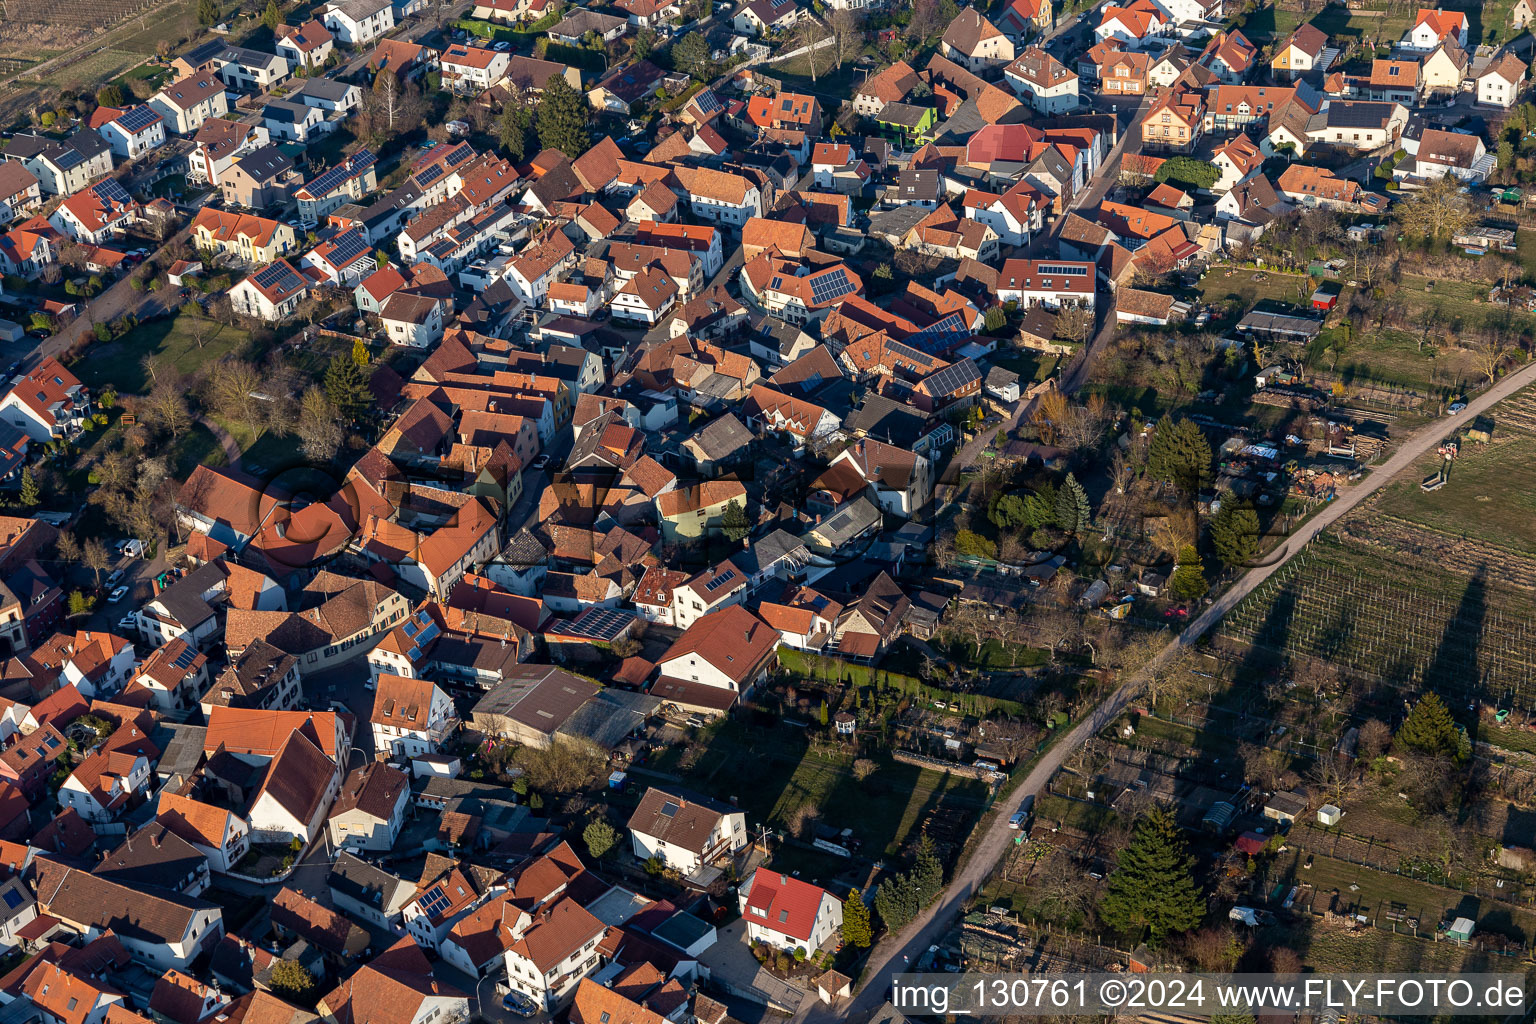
[1456, 407]
[117, 595]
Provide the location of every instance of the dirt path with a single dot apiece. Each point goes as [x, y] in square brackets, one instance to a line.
[893, 954]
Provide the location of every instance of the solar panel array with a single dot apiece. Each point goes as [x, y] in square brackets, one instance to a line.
[110, 191]
[599, 623]
[430, 175]
[68, 158]
[185, 658]
[707, 102]
[336, 176]
[434, 902]
[832, 284]
[278, 277]
[1066, 269]
[347, 247]
[720, 580]
[952, 378]
[136, 119]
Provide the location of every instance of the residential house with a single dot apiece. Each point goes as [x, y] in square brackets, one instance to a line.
[187, 103]
[96, 214]
[301, 783]
[891, 84]
[48, 402]
[1024, 19]
[1299, 53]
[1137, 24]
[759, 17]
[901, 481]
[131, 132]
[62, 166]
[415, 321]
[367, 892]
[1439, 153]
[101, 786]
[1174, 121]
[1124, 73]
[396, 987]
[1498, 85]
[470, 70]
[1434, 26]
[244, 236]
[370, 808]
[218, 833]
[729, 649]
[308, 45]
[19, 191]
[261, 178]
[271, 293]
[686, 833]
[555, 952]
[1318, 186]
[358, 22]
[175, 674]
[410, 716]
[160, 928]
[788, 913]
[295, 122]
[1051, 283]
[1358, 124]
[975, 43]
[1046, 83]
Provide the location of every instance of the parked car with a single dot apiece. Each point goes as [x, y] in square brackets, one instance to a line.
[116, 578]
[117, 595]
[519, 1004]
[1018, 820]
[540, 462]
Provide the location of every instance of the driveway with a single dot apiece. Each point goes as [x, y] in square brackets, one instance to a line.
[732, 966]
[931, 925]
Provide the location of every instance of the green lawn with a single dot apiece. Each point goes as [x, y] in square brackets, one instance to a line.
[1491, 494]
[196, 447]
[773, 774]
[171, 342]
[1271, 24]
[1395, 357]
[1253, 286]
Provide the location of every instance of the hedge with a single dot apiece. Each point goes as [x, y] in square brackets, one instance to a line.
[812, 666]
[576, 56]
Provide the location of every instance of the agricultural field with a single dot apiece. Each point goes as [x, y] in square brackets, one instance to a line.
[1347, 603]
[1381, 26]
[89, 72]
[1423, 590]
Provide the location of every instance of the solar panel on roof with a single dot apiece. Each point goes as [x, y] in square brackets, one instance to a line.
[185, 658]
[111, 191]
[430, 175]
[137, 119]
[830, 285]
[707, 102]
[720, 580]
[68, 159]
[12, 898]
[348, 247]
[338, 175]
[278, 277]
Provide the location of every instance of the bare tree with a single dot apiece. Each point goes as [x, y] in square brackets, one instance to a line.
[1490, 346]
[233, 390]
[811, 33]
[95, 557]
[1074, 324]
[319, 426]
[847, 27]
[167, 408]
[1437, 210]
